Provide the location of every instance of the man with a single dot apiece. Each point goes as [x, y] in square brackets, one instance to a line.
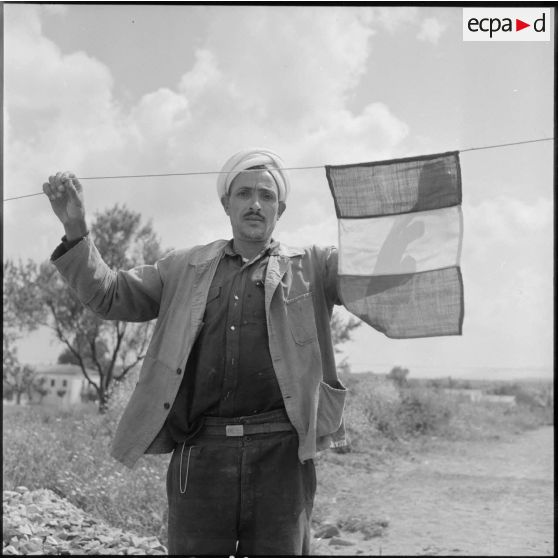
[239, 380]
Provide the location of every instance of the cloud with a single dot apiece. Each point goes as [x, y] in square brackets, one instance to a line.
[508, 222]
[159, 114]
[431, 30]
[270, 76]
[60, 106]
[393, 18]
[508, 243]
[303, 60]
[507, 267]
[75, 83]
[293, 98]
[55, 9]
[204, 74]
[396, 19]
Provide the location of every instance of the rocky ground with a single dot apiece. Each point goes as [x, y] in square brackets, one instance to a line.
[39, 522]
[489, 498]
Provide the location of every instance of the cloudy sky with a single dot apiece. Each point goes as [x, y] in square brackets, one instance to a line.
[106, 90]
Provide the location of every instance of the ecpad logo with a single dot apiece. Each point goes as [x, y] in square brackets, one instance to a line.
[494, 24]
[506, 24]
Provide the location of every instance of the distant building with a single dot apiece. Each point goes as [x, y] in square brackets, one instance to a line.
[65, 385]
[500, 399]
[474, 395]
[478, 395]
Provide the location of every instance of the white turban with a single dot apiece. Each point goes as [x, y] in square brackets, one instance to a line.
[250, 158]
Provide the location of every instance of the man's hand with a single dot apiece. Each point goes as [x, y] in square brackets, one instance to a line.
[66, 198]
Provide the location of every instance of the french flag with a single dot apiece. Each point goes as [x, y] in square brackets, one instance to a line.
[400, 237]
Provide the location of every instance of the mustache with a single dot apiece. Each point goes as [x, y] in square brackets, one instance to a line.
[257, 214]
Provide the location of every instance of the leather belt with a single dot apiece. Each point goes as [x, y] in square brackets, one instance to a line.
[246, 429]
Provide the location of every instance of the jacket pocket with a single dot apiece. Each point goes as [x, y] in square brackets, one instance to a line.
[331, 403]
[300, 311]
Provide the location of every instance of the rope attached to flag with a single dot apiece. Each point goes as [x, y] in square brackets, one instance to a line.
[200, 173]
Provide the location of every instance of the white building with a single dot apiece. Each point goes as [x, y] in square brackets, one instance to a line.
[65, 384]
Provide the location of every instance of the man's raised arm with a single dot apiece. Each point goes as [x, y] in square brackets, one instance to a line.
[65, 193]
[132, 295]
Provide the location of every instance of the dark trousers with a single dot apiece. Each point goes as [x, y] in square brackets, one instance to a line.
[241, 495]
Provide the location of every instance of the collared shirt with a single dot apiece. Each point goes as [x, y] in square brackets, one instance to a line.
[300, 291]
[229, 372]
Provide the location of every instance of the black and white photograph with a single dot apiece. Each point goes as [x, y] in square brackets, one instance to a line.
[278, 279]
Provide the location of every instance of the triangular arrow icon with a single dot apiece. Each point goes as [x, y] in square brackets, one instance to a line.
[519, 25]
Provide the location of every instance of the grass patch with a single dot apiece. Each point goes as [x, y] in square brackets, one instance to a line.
[68, 452]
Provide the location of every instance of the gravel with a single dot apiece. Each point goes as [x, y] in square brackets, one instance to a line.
[39, 522]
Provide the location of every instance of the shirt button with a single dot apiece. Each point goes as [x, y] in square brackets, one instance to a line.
[166, 405]
[232, 328]
[235, 297]
[178, 371]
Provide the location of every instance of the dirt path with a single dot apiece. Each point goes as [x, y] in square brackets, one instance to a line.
[475, 498]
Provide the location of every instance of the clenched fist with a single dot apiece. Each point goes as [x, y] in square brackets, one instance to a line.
[65, 193]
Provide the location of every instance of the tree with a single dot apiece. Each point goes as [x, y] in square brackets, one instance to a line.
[398, 375]
[41, 389]
[17, 380]
[341, 331]
[41, 297]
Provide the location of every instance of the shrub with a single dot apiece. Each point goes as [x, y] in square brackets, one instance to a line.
[423, 411]
[370, 412]
[382, 405]
[380, 414]
[379, 407]
[398, 375]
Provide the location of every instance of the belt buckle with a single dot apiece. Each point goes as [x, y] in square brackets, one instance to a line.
[234, 430]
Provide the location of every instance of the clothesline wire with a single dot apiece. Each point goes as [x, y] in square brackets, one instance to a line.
[198, 173]
[505, 144]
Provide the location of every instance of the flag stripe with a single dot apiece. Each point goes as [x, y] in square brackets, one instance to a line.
[403, 243]
[400, 238]
[423, 304]
[397, 186]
